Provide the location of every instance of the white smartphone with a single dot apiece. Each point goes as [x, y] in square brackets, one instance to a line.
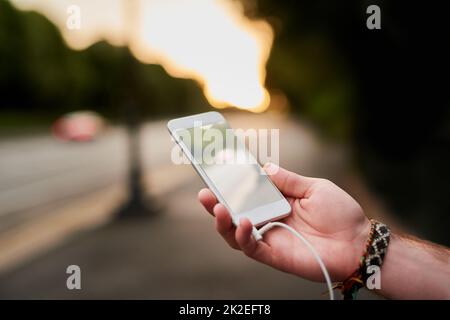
[240, 184]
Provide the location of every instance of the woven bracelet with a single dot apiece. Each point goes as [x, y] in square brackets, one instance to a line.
[374, 253]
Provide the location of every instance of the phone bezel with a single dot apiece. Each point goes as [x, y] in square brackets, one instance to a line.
[259, 215]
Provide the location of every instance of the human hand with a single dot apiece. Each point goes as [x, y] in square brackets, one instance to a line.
[328, 217]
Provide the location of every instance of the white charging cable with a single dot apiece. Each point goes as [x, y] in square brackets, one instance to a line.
[258, 234]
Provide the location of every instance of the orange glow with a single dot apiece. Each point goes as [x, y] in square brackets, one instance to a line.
[211, 41]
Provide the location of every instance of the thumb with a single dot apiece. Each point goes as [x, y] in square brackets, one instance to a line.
[289, 183]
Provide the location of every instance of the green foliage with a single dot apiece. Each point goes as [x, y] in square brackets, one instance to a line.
[308, 66]
[39, 74]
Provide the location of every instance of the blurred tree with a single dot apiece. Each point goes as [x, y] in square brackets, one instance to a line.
[306, 62]
[40, 74]
[384, 90]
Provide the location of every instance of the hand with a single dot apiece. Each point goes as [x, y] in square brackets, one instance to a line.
[326, 215]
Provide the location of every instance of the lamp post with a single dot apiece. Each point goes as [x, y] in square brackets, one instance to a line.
[138, 204]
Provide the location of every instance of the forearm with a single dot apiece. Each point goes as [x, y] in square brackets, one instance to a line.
[415, 269]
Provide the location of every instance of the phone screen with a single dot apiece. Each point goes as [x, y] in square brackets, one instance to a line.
[229, 166]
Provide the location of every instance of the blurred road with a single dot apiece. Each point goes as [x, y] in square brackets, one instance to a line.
[42, 171]
[57, 199]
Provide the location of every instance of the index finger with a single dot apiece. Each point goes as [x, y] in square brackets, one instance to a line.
[207, 199]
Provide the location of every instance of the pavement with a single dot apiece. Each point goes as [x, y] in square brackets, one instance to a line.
[57, 209]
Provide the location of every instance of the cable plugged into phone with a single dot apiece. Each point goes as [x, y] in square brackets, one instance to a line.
[258, 235]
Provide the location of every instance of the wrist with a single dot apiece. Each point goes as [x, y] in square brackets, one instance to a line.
[359, 244]
[354, 250]
[372, 258]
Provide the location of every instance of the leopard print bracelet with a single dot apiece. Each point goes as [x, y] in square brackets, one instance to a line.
[376, 246]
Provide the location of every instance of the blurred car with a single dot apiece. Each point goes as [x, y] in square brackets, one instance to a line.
[78, 126]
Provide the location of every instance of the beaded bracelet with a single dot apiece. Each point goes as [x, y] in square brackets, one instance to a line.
[374, 253]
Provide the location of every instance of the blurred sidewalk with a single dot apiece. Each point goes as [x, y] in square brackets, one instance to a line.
[176, 254]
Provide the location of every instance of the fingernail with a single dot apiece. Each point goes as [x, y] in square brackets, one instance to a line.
[271, 168]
